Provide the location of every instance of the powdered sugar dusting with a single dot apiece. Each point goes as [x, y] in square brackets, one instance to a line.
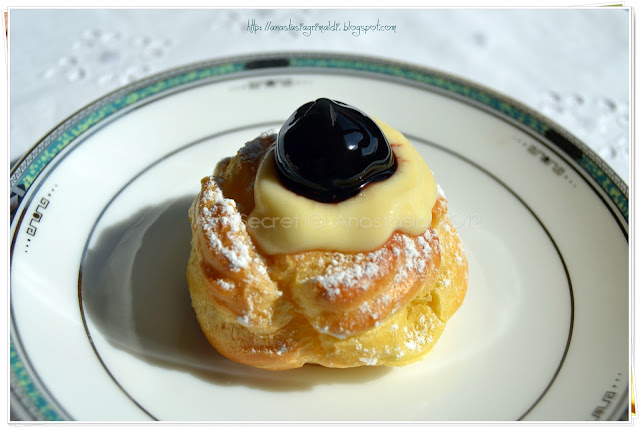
[365, 308]
[420, 334]
[224, 217]
[244, 320]
[280, 351]
[369, 361]
[365, 267]
[226, 285]
[254, 149]
[325, 329]
[362, 268]
[384, 300]
[417, 253]
[213, 195]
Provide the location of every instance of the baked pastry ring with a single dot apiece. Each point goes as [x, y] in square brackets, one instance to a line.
[384, 307]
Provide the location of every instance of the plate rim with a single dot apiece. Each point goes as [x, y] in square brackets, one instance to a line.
[596, 167]
[25, 390]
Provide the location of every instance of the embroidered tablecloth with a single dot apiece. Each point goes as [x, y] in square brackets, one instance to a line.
[571, 65]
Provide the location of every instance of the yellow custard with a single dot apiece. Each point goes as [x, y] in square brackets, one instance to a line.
[286, 222]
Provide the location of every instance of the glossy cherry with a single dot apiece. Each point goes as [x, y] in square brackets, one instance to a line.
[328, 151]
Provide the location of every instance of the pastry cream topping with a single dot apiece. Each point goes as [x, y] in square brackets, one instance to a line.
[285, 222]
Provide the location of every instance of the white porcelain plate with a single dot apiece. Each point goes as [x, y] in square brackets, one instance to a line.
[101, 323]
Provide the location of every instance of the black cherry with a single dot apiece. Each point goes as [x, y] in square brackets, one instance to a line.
[328, 151]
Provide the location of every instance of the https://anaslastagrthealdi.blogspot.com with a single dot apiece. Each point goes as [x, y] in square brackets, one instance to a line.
[352, 28]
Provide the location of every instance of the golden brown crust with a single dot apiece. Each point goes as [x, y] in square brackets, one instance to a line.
[384, 307]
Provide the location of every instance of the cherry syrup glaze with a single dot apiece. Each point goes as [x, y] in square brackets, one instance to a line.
[328, 151]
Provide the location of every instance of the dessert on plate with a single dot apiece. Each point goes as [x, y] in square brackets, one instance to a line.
[327, 243]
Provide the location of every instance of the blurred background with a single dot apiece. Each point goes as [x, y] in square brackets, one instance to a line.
[571, 65]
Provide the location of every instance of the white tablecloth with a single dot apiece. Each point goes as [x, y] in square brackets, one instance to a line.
[570, 64]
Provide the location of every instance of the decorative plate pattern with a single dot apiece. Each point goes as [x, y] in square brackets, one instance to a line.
[35, 196]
